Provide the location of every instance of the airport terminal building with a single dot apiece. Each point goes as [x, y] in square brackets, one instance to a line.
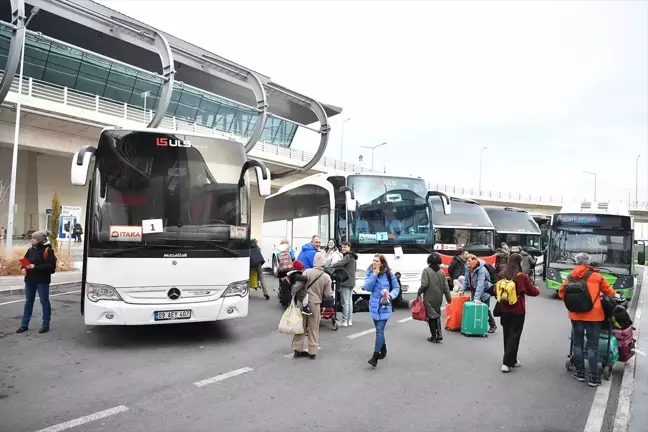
[87, 67]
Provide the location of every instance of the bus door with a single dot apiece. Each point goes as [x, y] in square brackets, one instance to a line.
[289, 232]
[323, 222]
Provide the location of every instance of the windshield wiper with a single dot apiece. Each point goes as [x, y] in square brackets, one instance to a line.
[134, 248]
[232, 252]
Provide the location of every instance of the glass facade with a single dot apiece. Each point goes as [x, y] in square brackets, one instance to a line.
[66, 66]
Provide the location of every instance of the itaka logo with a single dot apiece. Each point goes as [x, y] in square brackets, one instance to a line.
[166, 142]
[176, 255]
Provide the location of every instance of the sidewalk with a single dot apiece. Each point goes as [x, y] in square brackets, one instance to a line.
[15, 284]
[639, 395]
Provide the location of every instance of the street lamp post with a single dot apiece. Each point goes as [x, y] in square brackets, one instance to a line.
[592, 174]
[372, 148]
[14, 157]
[481, 162]
[342, 140]
[637, 181]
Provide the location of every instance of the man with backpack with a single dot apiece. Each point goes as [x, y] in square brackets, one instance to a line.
[38, 266]
[479, 280]
[581, 292]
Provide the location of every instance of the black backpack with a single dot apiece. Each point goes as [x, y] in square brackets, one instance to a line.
[338, 274]
[577, 296]
[491, 272]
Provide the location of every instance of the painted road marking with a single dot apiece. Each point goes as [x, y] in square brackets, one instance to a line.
[51, 295]
[291, 355]
[86, 419]
[404, 320]
[362, 333]
[223, 377]
[597, 412]
[622, 417]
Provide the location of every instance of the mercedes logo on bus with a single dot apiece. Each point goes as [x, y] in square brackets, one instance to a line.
[173, 294]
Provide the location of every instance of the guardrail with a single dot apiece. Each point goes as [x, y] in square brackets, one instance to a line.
[514, 197]
[74, 98]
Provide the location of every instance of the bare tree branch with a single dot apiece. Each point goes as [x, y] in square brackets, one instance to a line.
[4, 197]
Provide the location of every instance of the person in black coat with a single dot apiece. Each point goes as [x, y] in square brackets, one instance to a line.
[458, 265]
[256, 262]
[38, 276]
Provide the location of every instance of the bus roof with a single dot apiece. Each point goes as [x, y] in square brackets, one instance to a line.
[321, 179]
[466, 214]
[511, 220]
[597, 207]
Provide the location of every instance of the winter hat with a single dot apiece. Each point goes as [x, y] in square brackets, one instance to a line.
[319, 261]
[298, 265]
[41, 236]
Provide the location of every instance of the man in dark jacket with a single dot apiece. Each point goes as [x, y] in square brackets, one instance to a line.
[256, 263]
[348, 263]
[458, 265]
[38, 276]
[501, 258]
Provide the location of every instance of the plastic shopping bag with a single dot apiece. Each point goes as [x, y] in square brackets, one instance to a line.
[292, 321]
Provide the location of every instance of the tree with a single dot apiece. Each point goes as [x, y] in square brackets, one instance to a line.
[54, 222]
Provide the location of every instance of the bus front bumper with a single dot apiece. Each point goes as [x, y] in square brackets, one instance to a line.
[106, 312]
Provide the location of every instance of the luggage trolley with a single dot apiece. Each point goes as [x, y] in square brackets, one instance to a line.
[330, 307]
[605, 361]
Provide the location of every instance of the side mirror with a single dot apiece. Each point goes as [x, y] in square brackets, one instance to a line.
[445, 200]
[80, 165]
[641, 258]
[262, 176]
[349, 196]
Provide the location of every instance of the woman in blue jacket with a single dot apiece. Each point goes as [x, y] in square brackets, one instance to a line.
[379, 278]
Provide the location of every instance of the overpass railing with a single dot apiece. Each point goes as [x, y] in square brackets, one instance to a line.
[74, 98]
[514, 197]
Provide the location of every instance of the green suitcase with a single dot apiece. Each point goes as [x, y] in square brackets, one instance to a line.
[475, 319]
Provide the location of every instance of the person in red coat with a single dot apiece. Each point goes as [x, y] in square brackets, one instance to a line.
[512, 316]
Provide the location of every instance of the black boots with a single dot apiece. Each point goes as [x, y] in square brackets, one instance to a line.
[373, 361]
[435, 331]
[383, 352]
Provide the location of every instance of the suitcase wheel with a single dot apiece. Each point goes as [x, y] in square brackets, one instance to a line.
[568, 364]
[607, 372]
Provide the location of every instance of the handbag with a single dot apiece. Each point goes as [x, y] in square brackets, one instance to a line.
[292, 320]
[419, 312]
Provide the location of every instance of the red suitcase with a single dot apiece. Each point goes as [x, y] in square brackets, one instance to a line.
[454, 313]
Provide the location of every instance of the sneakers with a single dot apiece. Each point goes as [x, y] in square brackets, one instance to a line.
[267, 297]
[517, 363]
[300, 354]
[579, 376]
[349, 323]
[306, 311]
[505, 369]
[594, 380]
[492, 329]
[44, 329]
[22, 330]
[343, 324]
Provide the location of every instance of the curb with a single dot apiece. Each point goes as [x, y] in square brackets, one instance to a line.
[17, 289]
[639, 391]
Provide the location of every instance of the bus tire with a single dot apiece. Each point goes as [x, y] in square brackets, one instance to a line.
[275, 267]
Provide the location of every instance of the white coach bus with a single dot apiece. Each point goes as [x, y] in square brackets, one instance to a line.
[376, 213]
[167, 227]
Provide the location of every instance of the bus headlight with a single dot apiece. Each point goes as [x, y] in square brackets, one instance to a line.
[96, 292]
[239, 288]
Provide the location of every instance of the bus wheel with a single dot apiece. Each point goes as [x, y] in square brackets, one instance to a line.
[275, 267]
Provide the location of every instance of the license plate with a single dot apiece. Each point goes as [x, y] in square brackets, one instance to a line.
[172, 315]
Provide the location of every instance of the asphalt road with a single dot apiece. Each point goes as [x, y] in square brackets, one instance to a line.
[143, 379]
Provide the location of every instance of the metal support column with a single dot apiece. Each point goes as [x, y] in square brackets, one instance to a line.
[17, 40]
[168, 73]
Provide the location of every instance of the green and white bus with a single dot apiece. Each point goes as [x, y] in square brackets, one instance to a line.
[603, 230]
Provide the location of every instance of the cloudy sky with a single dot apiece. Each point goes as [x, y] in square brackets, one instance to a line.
[552, 88]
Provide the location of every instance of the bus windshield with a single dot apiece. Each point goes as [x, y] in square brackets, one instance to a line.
[390, 211]
[607, 248]
[467, 227]
[153, 193]
[514, 227]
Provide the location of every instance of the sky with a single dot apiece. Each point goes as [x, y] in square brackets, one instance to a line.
[551, 88]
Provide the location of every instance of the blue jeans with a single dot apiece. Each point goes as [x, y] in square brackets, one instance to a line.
[380, 334]
[346, 298]
[593, 331]
[30, 296]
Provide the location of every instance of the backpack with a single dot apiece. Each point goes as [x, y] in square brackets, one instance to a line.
[285, 261]
[577, 296]
[338, 274]
[506, 292]
[492, 273]
[46, 256]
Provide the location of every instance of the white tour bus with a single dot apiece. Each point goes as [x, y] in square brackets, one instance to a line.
[385, 214]
[167, 227]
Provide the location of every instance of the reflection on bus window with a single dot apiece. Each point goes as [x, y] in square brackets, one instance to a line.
[611, 250]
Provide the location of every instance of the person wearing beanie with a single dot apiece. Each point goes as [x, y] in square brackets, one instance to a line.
[38, 276]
